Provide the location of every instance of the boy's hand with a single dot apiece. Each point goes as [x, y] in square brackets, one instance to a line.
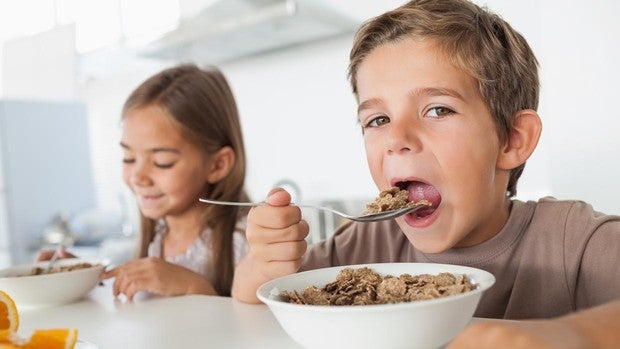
[276, 235]
[536, 334]
[595, 327]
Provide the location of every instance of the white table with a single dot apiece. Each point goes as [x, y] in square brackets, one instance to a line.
[157, 322]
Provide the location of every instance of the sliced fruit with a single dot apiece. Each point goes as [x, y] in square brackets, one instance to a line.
[11, 340]
[4, 336]
[9, 318]
[61, 338]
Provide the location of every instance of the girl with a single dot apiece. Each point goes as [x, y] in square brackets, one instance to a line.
[181, 141]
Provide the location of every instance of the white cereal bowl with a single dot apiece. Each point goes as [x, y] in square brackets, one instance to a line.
[420, 324]
[30, 291]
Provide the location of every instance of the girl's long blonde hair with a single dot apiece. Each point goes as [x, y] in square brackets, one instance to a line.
[202, 103]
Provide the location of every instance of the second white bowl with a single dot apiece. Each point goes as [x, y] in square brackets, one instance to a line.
[50, 289]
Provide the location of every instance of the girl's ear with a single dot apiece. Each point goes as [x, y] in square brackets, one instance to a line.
[220, 164]
[521, 141]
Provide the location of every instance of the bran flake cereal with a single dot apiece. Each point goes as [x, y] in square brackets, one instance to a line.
[392, 199]
[364, 286]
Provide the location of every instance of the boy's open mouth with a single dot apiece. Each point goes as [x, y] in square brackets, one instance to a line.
[421, 191]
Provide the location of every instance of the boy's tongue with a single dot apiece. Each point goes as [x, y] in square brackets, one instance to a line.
[422, 191]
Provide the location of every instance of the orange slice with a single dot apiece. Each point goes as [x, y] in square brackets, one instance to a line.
[5, 336]
[62, 338]
[9, 318]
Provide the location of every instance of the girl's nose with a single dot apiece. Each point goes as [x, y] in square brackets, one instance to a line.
[139, 174]
[403, 136]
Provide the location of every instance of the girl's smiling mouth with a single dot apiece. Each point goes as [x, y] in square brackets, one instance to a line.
[149, 199]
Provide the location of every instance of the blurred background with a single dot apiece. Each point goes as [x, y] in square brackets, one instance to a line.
[68, 65]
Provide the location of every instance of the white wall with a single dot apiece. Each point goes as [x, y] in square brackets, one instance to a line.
[299, 121]
[40, 66]
[580, 91]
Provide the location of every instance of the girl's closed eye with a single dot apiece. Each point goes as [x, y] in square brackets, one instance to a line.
[164, 165]
[165, 158]
[439, 112]
[129, 160]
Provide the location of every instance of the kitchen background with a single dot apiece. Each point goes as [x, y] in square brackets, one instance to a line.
[67, 66]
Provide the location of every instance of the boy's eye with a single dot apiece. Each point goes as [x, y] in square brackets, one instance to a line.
[437, 112]
[378, 121]
[128, 161]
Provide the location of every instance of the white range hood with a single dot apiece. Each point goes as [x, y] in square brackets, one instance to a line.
[232, 29]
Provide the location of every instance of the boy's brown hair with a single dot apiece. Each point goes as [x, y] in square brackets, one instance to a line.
[471, 38]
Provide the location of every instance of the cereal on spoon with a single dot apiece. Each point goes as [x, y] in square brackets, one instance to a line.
[392, 199]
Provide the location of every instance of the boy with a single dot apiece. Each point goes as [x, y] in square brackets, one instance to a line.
[447, 94]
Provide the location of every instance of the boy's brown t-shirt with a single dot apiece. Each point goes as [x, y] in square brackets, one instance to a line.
[552, 257]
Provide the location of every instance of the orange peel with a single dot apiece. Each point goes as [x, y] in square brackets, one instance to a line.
[9, 317]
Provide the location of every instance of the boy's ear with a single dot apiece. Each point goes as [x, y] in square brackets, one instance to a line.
[521, 141]
[220, 164]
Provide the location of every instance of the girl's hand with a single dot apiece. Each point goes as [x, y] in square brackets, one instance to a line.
[46, 255]
[157, 276]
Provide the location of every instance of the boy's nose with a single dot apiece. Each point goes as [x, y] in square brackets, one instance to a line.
[402, 137]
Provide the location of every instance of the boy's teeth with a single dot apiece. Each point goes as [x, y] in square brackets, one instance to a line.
[422, 191]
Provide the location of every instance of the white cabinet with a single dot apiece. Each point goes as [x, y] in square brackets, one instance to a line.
[45, 169]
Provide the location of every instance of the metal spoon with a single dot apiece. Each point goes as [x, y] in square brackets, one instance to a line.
[372, 217]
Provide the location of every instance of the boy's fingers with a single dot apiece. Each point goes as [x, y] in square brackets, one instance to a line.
[265, 235]
[272, 217]
[278, 197]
